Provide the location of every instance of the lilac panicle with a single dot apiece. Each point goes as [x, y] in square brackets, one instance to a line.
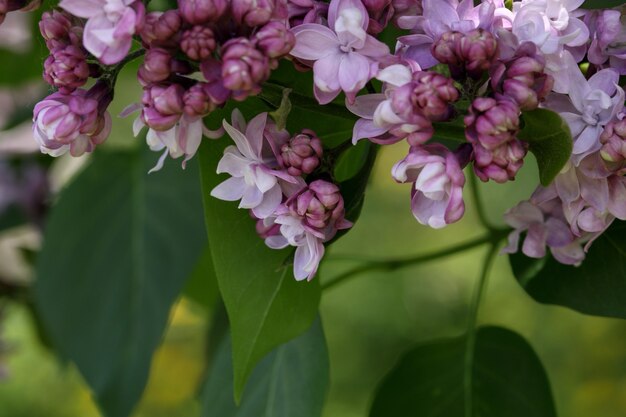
[198, 12]
[244, 67]
[66, 68]
[301, 155]
[198, 43]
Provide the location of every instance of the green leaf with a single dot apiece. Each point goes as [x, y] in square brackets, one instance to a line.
[597, 286]
[351, 161]
[550, 141]
[602, 4]
[265, 304]
[506, 379]
[118, 248]
[201, 285]
[291, 381]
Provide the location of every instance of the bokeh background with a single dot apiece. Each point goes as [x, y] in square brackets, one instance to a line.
[369, 320]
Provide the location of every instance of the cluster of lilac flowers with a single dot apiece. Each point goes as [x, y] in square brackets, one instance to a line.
[268, 168]
[458, 65]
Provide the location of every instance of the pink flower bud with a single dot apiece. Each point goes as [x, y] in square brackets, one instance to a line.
[380, 13]
[75, 122]
[59, 29]
[613, 140]
[162, 106]
[275, 40]
[301, 155]
[244, 68]
[162, 29]
[212, 72]
[156, 67]
[470, 53]
[522, 78]
[199, 100]
[66, 68]
[491, 122]
[252, 12]
[198, 43]
[321, 207]
[430, 93]
[198, 12]
[501, 163]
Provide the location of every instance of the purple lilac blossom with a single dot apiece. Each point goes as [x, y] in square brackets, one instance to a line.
[438, 180]
[255, 173]
[343, 56]
[608, 39]
[110, 26]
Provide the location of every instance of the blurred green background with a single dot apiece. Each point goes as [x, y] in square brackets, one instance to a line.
[369, 321]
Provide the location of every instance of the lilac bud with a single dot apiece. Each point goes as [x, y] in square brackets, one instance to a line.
[613, 140]
[321, 207]
[301, 155]
[198, 43]
[491, 122]
[470, 53]
[522, 78]
[265, 227]
[199, 100]
[66, 68]
[404, 8]
[501, 163]
[162, 106]
[252, 12]
[198, 12]
[76, 122]
[380, 13]
[58, 28]
[430, 93]
[212, 72]
[156, 67]
[275, 40]
[244, 68]
[162, 29]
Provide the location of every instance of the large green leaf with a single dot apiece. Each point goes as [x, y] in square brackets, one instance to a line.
[265, 304]
[202, 283]
[504, 379]
[291, 381]
[602, 4]
[117, 250]
[549, 139]
[597, 286]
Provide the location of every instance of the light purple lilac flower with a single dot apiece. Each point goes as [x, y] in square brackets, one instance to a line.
[608, 39]
[307, 219]
[110, 26]
[75, 122]
[592, 104]
[344, 57]
[438, 180]
[387, 118]
[441, 16]
[255, 174]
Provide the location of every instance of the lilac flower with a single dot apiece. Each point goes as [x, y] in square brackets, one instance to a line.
[198, 12]
[441, 16]
[252, 165]
[75, 122]
[543, 221]
[275, 40]
[306, 11]
[613, 140]
[395, 115]
[592, 104]
[608, 39]
[470, 53]
[110, 26]
[438, 180]
[60, 29]
[161, 29]
[252, 12]
[244, 68]
[344, 57]
[301, 155]
[308, 218]
[198, 43]
[380, 12]
[66, 68]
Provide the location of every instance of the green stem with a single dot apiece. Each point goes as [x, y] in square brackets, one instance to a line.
[478, 203]
[397, 263]
[470, 346]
